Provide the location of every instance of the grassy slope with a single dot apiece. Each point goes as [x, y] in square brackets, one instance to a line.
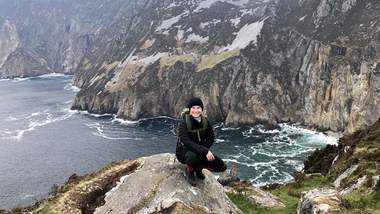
[364, 150]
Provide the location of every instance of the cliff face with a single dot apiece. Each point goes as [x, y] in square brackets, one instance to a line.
[310, 62]
[43, 37]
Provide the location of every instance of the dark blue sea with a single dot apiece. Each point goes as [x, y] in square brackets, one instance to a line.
[43, 142]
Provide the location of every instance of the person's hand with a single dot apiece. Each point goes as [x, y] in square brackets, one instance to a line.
[210, 156]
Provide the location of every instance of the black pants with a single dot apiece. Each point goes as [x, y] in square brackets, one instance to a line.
[199, 162]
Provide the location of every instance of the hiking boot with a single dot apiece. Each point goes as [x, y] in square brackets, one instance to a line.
[190, 177]
[200, 174]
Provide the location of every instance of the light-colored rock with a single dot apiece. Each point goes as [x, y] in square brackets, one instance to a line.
[375, 181]
[265, 199]
[229, 176]
[8, 40]
[160, 185]
[318, 201]
[256, 195]
[345, 174]
[347, 5]
[354, 187]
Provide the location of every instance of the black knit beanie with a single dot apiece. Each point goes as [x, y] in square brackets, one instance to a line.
[195, 101]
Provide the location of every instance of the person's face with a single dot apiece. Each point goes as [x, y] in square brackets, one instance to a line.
[196, 111]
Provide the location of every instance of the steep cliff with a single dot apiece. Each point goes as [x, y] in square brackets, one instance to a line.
[298, 61]
[309, 62]
[44, 37]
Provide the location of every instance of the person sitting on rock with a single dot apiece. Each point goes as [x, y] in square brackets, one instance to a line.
[195, 137]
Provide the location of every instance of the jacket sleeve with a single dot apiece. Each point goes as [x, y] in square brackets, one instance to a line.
[191, 145]
[210, 137]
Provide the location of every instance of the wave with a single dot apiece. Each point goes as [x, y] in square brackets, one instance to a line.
[229, 128]
[35, 119]
[287, 132]
[10, 118]
[220, 140]
[114, 138]
[100, 133]
[53, 75]
[281, 179]
[273, 131]
[20, 79]
[71, 87]
[83, 112]
[124, 121]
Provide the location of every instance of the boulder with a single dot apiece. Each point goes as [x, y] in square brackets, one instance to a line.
[318, 201]
[255, 194]
[229, 176]
[159, 186]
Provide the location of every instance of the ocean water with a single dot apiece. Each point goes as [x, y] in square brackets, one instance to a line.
[43, 142]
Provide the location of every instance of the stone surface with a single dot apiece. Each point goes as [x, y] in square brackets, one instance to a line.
[159, 185]
[265, 199]
[354, 187]
[318, 201]
[229, 176]
[344, 175]
[254, 194]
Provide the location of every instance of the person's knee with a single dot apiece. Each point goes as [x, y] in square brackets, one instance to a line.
[191, 158]
[223, 167]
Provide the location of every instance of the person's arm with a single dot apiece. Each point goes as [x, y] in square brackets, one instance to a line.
[191, 145]
[210, 137]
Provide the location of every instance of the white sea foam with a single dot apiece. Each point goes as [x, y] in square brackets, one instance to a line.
[11, 118]
[273, 131]
[53, 75]
[71, 87]
[124, 121]
[220, 140]
[35, 119]
[230, 128]
[100, 133]
[20, 79]
[88, 113]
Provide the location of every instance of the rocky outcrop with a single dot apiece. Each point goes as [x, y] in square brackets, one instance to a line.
[8, 39]
[44, 37]
[319, 201]
[354, 170]
[159, 185]
[254, 194]
[154, 184]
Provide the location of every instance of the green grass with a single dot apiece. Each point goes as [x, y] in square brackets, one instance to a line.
[289, 194]
[361, 202]
[211, 61]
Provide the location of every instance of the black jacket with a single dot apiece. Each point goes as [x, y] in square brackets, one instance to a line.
[190, 140]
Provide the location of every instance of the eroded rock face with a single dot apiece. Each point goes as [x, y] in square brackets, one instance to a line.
[261, 61]
[44, 37]
[8, 39]
[301, 67]
[159, 185]
[318, 201]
